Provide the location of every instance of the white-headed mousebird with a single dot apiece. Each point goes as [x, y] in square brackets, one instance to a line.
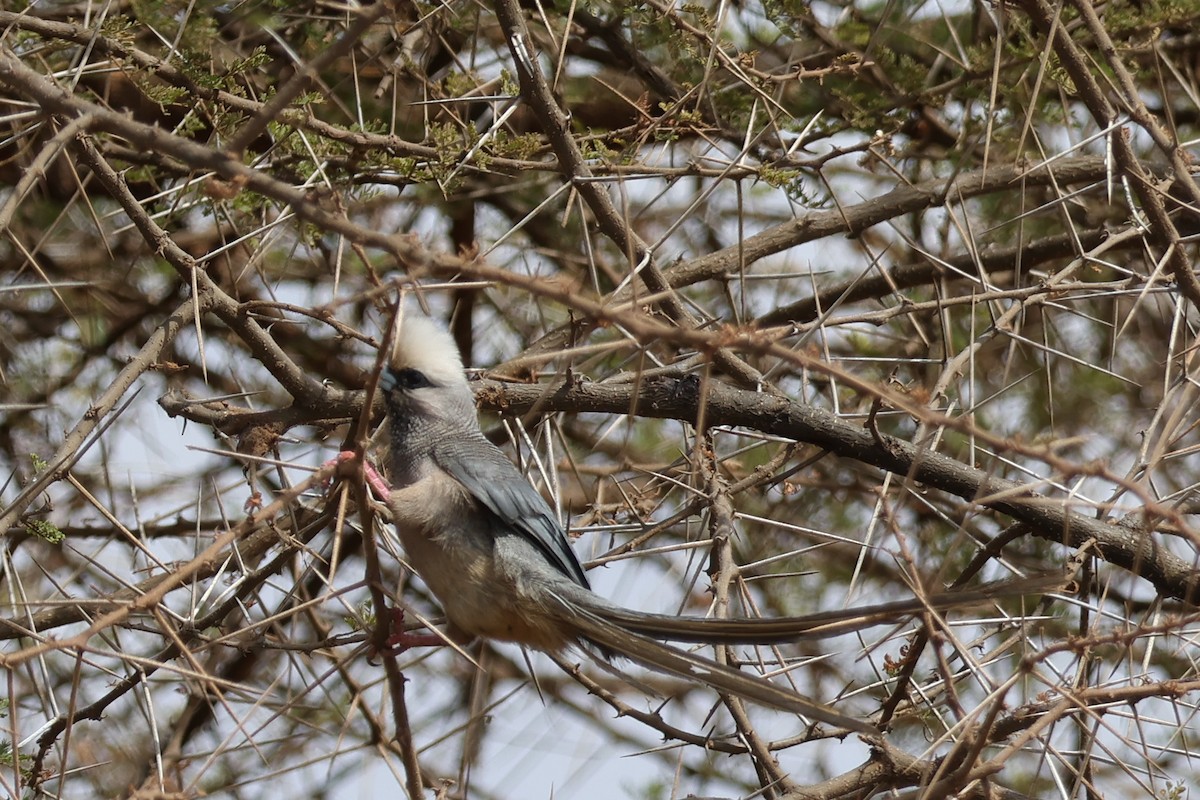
[493, 553]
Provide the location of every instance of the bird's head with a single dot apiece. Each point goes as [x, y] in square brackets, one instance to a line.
[425, 380]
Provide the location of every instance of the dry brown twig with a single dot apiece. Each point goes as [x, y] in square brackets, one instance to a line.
[837, 316]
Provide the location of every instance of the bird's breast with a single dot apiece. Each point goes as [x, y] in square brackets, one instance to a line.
[485, 589]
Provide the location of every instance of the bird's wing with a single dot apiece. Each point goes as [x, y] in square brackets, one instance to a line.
[492, 479]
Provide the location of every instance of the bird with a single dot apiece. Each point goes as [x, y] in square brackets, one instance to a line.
[494, 554]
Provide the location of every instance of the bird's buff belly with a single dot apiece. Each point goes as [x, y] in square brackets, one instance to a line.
[479, 597]
[503, 610]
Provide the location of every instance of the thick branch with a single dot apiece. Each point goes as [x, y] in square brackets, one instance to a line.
[667, 398]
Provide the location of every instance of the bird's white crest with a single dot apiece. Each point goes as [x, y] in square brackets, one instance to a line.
[423, 345]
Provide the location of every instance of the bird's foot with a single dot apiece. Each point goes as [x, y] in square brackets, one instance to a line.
[377, 482]
[400, 640]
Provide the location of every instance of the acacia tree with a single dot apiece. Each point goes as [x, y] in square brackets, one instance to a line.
[785, 306]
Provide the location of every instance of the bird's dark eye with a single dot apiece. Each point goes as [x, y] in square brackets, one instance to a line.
[409, 379]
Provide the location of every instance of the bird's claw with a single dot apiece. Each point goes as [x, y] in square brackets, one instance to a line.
[338, 463]
[400, 640]
[337, 466]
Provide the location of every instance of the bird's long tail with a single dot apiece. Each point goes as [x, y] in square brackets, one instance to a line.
[616, 639]
[634, 635]
[823, 625]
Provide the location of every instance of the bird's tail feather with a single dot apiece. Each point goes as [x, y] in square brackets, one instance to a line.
[826, 624]
[655, 655]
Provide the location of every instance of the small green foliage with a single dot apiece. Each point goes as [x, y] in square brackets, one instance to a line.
[703, 18]
[141, 174]
[784, 14]
[280, 134]
[6, 753]
[1059, 75]
[198, 68]
[310, 235]
[458, 84]
[1136, 21]
[44, 530]
[200, 34]
[120, 29]
[248, 202]
[226, 123]
[161, 93]
[523, 145]
[39, 463]
[307, 99]
[190, 125]
[446, 138]
[676, 122]
[363, 619]
[451, 142]
[402, 165]
[257, 58]
[509, 84]
[666, 133]
[1174, 790]
[777, 177]
[793, 184]
[597, 149]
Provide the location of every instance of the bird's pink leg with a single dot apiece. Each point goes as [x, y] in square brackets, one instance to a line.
[377, 482]
[401, 640]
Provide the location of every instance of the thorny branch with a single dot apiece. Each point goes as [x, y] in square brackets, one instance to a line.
[983, 248]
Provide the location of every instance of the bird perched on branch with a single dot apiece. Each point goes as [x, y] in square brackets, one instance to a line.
[494, 554]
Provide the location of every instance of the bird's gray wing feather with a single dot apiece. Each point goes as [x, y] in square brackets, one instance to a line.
[492, 479]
